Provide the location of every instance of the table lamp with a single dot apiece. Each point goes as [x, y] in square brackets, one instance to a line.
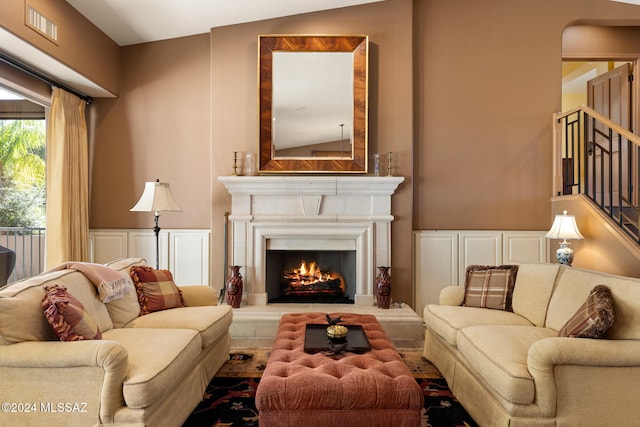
[564, 227]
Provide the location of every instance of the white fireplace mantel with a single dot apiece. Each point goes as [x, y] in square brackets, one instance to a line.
[306, 211]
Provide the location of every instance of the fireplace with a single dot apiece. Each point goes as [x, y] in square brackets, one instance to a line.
[348, 217]
[320, 276]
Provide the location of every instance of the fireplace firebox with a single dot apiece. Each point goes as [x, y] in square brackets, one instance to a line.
[311, 276]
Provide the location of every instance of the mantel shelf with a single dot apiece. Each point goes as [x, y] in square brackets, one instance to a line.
[317, 185]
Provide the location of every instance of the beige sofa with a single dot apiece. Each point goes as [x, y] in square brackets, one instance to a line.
[150, 370]
[512, 369]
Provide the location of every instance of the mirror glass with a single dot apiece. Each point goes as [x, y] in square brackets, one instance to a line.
[312, 120]
[313, 103]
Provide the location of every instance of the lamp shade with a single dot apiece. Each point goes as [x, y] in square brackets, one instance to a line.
[564, 227]
[156, 197]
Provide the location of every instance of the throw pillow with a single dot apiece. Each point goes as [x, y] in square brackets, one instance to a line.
[593, 318]
[67, 316]
[490, 286]
[156, 289]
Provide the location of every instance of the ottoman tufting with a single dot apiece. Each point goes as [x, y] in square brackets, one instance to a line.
[371, 389]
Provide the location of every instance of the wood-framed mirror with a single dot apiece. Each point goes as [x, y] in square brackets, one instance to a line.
[313, 101]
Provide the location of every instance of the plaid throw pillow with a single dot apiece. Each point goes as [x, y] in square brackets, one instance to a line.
[156, 289]
[67, 316]
[593, 318]
[490, 286]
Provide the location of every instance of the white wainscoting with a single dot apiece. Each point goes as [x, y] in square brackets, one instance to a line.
[184, 252]
[442, 256]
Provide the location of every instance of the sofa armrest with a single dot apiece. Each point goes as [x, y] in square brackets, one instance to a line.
[198, 295]
[545, 354]
[87, 373]
[452, 295]
[563, 368]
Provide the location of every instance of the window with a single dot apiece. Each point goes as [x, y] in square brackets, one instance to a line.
[22, 182]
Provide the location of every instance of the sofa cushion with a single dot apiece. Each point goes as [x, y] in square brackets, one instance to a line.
[67, 316]
[156, 289]
[211, 322]
[593, 318]
[447, 320]
[499, 355]
[123, 310]
[533, 289]
[21, 317]
[158, 360]
[575, 284]
[489, 286]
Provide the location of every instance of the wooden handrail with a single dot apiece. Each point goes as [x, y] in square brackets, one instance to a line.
[602, 119]
[557, 139]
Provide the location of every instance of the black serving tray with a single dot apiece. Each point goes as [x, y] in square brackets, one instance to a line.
[316, 339]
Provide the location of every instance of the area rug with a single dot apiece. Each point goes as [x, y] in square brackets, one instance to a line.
[230, 397]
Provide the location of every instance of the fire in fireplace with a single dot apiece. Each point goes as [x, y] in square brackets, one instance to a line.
[310, 276]
[310, 280]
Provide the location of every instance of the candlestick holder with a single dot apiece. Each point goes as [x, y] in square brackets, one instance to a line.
[376, 164]
[235, 164]
[389, 164]
[250, 164]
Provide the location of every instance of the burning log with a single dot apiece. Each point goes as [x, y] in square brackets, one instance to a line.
[305, 281]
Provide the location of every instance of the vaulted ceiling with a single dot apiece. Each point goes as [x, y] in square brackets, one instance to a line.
[140, 21]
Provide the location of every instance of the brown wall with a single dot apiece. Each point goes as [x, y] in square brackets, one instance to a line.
[235, 116]
[81, 45]
[488, 79]
[158, 128]
[598, 41]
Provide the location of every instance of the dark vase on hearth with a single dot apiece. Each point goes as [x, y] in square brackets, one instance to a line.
[383, 287]
[234, 287]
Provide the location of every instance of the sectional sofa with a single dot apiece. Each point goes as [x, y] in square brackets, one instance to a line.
[145, 370]
[512, 368]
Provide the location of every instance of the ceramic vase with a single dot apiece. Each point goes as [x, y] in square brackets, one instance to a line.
[383, 287]
[234, 287]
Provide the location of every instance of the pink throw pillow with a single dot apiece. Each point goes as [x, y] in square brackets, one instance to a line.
[156, 289]
[67, 316]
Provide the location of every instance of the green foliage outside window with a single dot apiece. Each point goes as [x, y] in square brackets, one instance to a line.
[22, 173]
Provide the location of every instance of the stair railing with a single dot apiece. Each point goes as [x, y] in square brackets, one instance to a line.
[598, 158]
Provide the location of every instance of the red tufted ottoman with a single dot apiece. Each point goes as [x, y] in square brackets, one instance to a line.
[371, 389]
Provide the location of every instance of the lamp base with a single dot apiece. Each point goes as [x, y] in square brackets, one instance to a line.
[156, 230]
[564, 254]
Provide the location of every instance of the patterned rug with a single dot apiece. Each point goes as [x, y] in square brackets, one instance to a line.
[229, 398]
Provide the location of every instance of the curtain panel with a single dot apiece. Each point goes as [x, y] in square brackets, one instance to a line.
[67, 235]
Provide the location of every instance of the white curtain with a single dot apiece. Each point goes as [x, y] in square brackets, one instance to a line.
[67, 180]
